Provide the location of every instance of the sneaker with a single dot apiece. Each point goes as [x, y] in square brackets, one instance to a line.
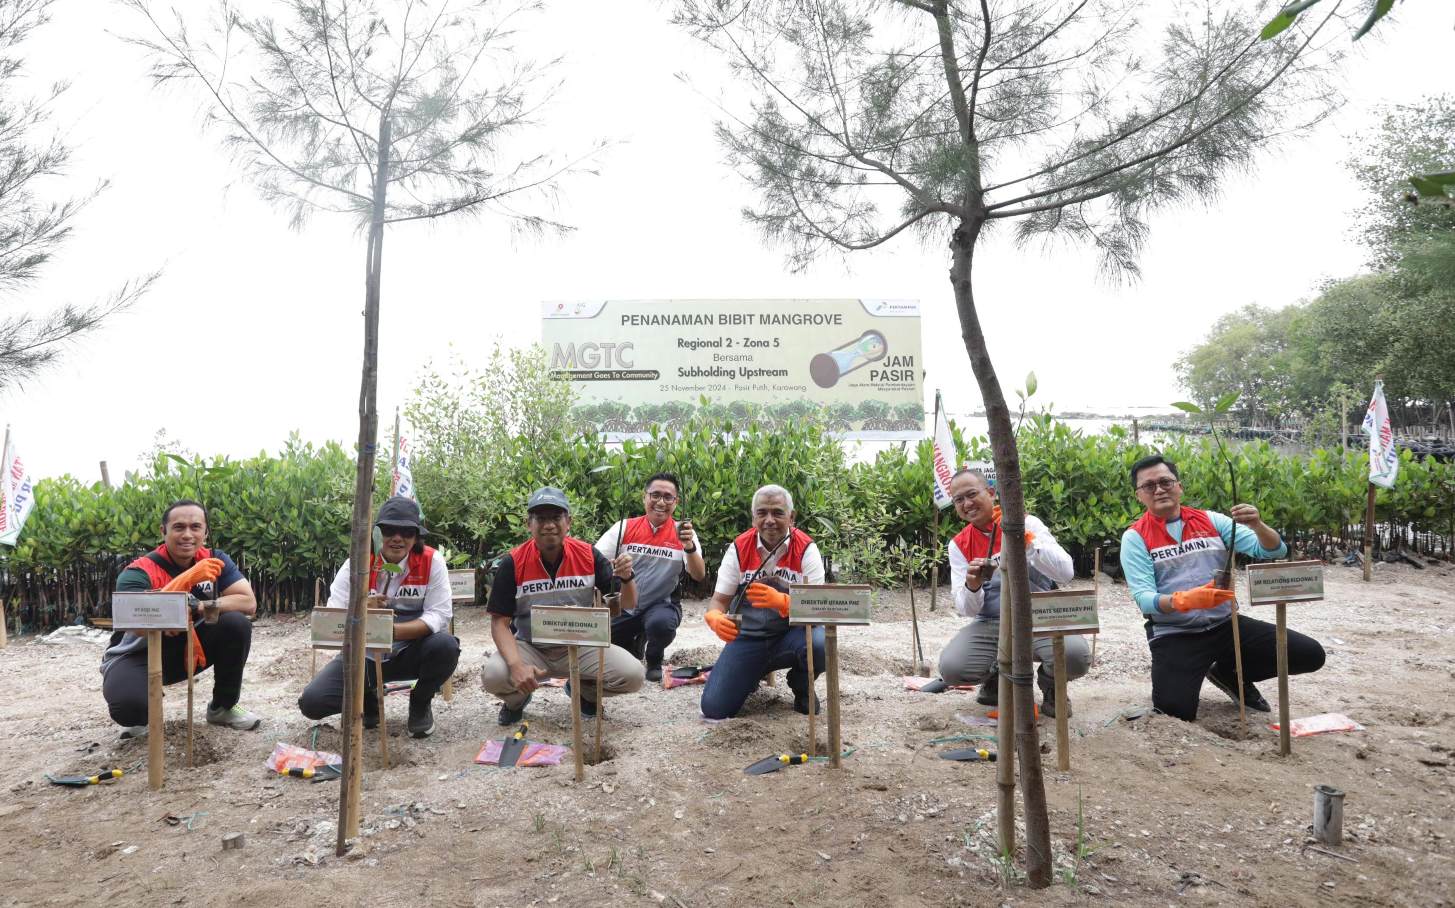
[1048, 696]
[800, 703]
[421, 718]
[133, 731]
[1251, 698]
[233, 717]
[510, 716]
[989, 692]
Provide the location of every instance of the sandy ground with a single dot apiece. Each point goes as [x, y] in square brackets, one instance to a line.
[1173, 812]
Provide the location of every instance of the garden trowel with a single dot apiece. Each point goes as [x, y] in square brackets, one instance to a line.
[512, 747]
[775, 763]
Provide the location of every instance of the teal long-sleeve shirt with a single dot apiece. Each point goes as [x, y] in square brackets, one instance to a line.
[1137, 561]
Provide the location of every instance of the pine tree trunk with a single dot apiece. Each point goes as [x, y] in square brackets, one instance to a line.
[359, 535]
[1015, 590]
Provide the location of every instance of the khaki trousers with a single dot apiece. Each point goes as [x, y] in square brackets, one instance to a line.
[618, 671]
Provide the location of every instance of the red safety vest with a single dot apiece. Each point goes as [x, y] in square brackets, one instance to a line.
[574, 583]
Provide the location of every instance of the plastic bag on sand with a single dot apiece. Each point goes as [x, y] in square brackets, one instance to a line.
[535, 754]
[915, 683]
[1320, 724]
[291, 756]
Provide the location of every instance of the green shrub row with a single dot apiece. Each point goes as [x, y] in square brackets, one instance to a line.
[285, 517]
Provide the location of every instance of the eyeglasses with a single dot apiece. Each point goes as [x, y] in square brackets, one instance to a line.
[667, 497]
[1160, 485]
[406, 532]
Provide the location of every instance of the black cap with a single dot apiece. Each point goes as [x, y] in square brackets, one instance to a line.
[401, 512]
[548, 497]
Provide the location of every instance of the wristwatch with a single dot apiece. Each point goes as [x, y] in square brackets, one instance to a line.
[687, 551]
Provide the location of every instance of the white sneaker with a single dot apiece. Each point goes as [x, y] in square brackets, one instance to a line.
[233, 717]
[133, 731]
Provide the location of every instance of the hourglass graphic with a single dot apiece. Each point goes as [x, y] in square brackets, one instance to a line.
[827, 368]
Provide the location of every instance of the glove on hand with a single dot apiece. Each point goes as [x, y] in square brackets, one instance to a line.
[725, 628]
[208, 569]
[1201, 597]
[764, 596]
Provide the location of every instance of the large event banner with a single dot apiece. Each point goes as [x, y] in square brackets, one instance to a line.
[639, 362]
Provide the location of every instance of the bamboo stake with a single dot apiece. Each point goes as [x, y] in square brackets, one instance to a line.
[4, 640]
[383, 720]
[600, 699]
[575, 672]
[1096, 585]
[1284, 742]
[154, 710]
[1238, 665]
[934, 537]
[812, 687]
[191, 677]
[1369, 536]
[1005, 765]
[917, 649]
[831, 654]
[313, 665]
[448, 690]
[1063, 725]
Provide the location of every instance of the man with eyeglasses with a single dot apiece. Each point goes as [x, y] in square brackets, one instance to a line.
[222, 602]
[970, 656]
[755, 573]
[419, 594]
[553, 568]
[1171, 558]
[661, 550]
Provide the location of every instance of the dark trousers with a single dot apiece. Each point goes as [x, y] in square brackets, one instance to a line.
[431, 660]
[745, 661]
[1180, 662]
[225, 644]
[657, 622]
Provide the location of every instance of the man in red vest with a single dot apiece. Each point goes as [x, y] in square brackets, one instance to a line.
[223, 644]
[553, 568]
[1171, 557]
[424, 649]
[661, 551]
[753, 577]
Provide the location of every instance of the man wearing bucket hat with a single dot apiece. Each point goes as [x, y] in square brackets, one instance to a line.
[553, 568]
[424, 649]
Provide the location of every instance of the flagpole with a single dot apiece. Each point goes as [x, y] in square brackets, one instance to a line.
[5, 507]
[1369, 503]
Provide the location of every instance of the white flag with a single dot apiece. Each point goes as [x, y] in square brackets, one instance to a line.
[1383, 455]
[403, 477]
[944, 451]
[17, 491]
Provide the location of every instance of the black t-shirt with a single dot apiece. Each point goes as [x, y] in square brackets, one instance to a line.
[502, 590]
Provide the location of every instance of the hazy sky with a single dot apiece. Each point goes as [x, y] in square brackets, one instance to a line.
[254, 330]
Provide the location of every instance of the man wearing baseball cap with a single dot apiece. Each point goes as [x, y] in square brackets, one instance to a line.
[424, 649]
[553, 568]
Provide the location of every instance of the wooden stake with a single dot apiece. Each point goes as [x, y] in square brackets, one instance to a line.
[916, 648]
[1284, 742]
[575, 672]
[4, 640]
[1369, 536]
[354, 728]
[812, 688]
[831, 654]
[1005, 741]
[448, 690]
[105, 475]
[313, 653]
[600, 699]
[191, 675]
[154, 710]
[1096, 585]
[383, 719]
[1238, 665]
[1063, 727]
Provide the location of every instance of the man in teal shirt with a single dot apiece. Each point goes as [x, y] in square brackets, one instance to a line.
[1170, 557]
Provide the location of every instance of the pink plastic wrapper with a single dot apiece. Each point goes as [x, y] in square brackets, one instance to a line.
[912, 682]
[535, 754]
[291, 756]
[1320, 724]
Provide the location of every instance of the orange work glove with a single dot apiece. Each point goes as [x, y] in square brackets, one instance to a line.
[725, 628]
[764, 596]
[1030, 538]
[206, 570]
[1205, 596]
